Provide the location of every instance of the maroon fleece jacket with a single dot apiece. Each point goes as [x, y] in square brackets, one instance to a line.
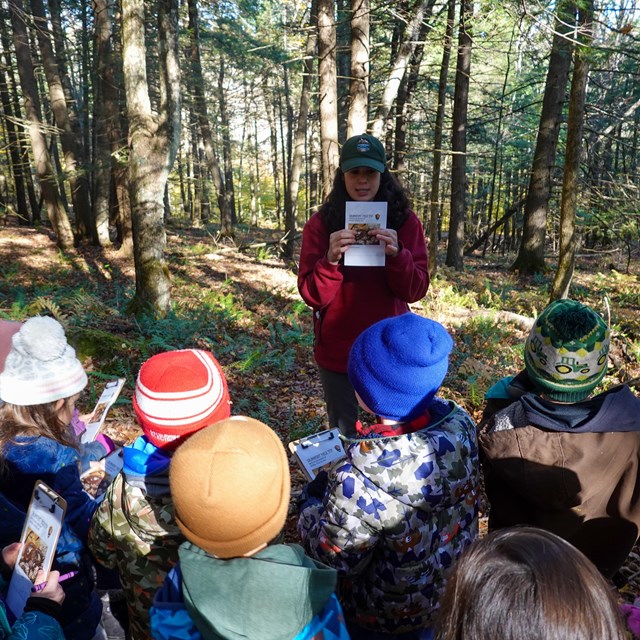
[347, 300]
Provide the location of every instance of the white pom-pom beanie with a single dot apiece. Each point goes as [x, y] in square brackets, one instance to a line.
[41, 366]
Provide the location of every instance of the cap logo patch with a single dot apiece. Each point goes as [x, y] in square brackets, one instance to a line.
[363, 145]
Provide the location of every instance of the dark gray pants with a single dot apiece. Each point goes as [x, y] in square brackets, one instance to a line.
[340, 398]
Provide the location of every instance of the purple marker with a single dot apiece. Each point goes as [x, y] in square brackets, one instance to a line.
[62, 578]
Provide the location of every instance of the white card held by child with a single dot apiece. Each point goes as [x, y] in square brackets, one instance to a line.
[317, 451]
[108, 397]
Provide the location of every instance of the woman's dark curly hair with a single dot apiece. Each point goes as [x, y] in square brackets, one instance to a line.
[391, 191]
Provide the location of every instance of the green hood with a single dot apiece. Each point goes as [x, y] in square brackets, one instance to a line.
[271, 595]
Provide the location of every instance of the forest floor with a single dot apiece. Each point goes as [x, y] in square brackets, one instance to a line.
[240, 301]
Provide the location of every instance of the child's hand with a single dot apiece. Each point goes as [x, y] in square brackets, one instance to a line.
[10, 555]
[52, 590]
[107, 443]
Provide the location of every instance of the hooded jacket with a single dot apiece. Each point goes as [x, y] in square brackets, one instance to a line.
[395, 517]
[572, 469]
[134, 530]
[31, 625]
[276, 594]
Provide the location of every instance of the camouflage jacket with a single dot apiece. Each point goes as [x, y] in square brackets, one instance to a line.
[134, 530]
[394, 518]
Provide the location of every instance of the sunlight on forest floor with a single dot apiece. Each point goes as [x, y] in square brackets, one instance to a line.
[244, 306]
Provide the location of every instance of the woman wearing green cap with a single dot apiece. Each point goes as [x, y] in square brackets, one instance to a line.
[347, 299]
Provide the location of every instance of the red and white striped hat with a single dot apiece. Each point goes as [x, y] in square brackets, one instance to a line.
[179, 392]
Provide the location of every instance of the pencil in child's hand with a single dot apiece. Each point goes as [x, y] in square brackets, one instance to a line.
[62, 578]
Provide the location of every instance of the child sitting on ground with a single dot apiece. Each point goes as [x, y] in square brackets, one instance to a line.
[177, 393]
[557, 458]
[230, 485]
[523, 583]
[403, 506]
[39, 385]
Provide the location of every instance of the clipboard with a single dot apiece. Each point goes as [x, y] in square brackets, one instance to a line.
[97, 478]
[109, 395]
[39, 539]
[317, 451]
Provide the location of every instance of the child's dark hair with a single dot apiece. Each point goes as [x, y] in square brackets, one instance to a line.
[391, 191]
[523, 583]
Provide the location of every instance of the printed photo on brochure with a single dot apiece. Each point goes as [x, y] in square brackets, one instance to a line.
[100, 474]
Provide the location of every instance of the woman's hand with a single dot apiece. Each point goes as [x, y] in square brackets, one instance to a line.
[339, 241]
[390, 239]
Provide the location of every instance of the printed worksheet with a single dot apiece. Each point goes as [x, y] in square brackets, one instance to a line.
[39, 539]
[108, 397]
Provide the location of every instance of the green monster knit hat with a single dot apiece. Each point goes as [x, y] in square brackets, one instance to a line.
[566, 352]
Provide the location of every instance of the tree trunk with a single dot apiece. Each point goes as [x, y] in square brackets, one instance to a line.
[575, 126]
[328, 92]
[226, 148]
[200, 106]
[153, 144]
[111, 133]
[16, 149]
[437, 140]
[102, 156]
[297, 156]
[71, 146]
[403, 102]
[42, 160]
[270, 108]
[400, 65]
[455, 245]
[358, 117]
[530, 258]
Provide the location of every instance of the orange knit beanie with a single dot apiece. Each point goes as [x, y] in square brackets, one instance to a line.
[230, 486]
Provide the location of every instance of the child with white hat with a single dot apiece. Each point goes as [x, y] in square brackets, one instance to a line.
[177, 393]
[230, 485]
[39, 385]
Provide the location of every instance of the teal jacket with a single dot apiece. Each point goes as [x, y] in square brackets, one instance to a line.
[31, 625]
[277, 594]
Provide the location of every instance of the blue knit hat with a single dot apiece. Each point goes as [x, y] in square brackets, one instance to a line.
[397, 365]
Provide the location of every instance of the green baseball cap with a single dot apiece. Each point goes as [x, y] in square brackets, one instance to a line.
[363, 151]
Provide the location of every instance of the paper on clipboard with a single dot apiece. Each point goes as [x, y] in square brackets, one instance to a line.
[106, 399]
[361, 217]
[100, 474]
[39, 538]
[317, 451]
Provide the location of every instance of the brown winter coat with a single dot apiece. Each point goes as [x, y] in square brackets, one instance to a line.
[582, 486]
